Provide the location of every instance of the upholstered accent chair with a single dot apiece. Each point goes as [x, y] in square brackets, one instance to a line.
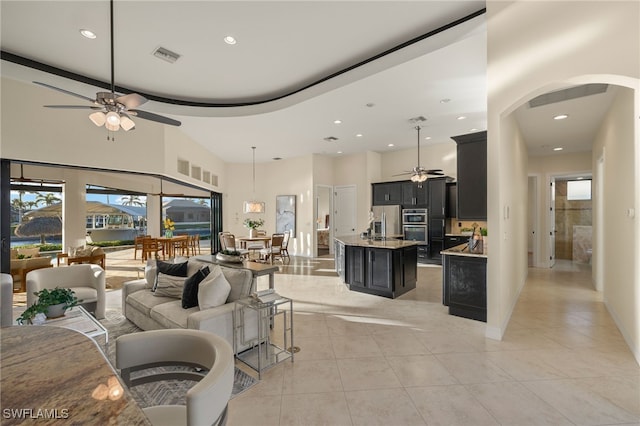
[6, 300]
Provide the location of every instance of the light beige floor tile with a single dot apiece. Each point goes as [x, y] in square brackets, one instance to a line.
[367, 373]
[348, 325]
[624, 391]
[355, 346]
[441, 342]
[511, 403]
[383, 407]
[399, 343]
[579, 402]
[271, 383]
[450, 405]
[254, 410]
[315, 409]
[420, 370]
[525, 365]
[319, 347]
[473, 368]
[311, 376]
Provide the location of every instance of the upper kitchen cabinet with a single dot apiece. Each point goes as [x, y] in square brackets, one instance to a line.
[387, 193]
[472, 176]
[438, 196]
[414, 194]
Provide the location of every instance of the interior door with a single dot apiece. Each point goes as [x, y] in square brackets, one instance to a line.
[344, 211]
[552, 223]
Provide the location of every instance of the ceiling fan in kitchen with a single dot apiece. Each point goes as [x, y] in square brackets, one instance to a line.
[112, 110]
[419, 174]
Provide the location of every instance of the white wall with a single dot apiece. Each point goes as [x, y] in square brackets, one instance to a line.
[432, 156]
[535, 47]
[621, 292]
[544, 167]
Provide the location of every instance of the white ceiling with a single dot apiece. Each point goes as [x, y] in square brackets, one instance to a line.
[282, 47]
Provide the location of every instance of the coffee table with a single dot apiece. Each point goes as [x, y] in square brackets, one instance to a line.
[77, 319]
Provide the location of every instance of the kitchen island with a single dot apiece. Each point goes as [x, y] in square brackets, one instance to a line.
[464, 282]
[386, 267]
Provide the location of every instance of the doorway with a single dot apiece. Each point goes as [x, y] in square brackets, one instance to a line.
[323, 220]
[532, 222]
[344, 210]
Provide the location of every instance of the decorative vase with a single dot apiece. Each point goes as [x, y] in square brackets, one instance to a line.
[168, 233]
[252, 232]
[228, 258]
[55, 311]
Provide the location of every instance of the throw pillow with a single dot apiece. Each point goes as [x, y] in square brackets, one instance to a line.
[169, 285]
[150, 273]
[191, 285]
[174, 269]
[83, 252]
[213, 291]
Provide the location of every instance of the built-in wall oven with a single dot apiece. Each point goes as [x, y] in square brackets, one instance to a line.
[415, 224]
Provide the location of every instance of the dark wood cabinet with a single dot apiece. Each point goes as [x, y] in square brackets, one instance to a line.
[452, 200]
[414, 194]
[380, 271]
[438, 197]
[454, 240]
[472, 176]
[339, 256]
[423, 254]
[386, 193]
[464, 288]
[438, 221]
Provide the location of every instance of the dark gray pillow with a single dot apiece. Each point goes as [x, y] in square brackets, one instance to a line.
[174, 269]
[190, 289]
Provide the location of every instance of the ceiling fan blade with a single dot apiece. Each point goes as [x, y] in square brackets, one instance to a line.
[403, 174]
[132, 100]
[436, 172]
[73, 107]
[154, 117]
[65, 91]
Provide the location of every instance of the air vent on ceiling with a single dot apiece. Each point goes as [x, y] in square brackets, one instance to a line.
[418, 119]
[566, 94]
[166, 55]
[330, 139]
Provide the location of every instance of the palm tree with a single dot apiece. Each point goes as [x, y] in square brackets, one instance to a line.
[47, 198]
[131, 200]
[19, 205]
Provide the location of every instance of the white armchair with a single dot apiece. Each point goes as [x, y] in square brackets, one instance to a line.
[207, 400]
[6, 300]
[86, 280]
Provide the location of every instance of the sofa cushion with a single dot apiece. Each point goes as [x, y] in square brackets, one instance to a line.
[171, 314]
[190, 289]
[194, 266]
[144, 301]
[168, 285]
[167, 268]
[213, 290]
[85, 294]
[29, 252]
[240, 283]
[150, 273]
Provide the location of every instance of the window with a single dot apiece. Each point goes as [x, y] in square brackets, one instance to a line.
[578, 190]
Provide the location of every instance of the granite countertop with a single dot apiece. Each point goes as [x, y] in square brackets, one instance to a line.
[463, 250]
[388, 243]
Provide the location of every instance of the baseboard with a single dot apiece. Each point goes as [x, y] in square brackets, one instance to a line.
[496, 333]
[625, 335]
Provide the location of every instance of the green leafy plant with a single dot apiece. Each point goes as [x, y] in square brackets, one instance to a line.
[483, 232]
[23, 256]
[230, 252]
[253, 223]
[48, 298]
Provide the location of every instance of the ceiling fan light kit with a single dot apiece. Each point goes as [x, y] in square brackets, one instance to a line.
[419, 174]
[113, 111]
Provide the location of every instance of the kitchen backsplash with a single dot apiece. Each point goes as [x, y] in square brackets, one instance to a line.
[456, 225]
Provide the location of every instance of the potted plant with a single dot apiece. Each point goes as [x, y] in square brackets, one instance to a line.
[52, 303]
[229, 256]
[253, 224]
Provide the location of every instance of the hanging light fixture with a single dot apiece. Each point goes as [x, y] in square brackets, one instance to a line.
[419, 174]
[254, 206]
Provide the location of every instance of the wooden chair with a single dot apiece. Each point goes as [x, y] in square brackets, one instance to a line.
[137, 244]
[151, 247]
[194, 244]
[274, 250]
[181, 245]
[257, 245]
[230, 244]
[285, 245]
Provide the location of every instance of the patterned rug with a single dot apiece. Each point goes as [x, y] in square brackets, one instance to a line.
[159, 393]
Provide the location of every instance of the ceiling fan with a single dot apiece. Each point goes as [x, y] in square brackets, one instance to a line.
[419, 174]
[40, 182]
[112, 110]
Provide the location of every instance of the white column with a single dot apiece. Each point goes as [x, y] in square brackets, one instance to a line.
[74, 210]
[153, 215]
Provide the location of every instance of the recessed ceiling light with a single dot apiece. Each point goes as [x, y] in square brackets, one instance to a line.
[462, 117]
[371, 105]
[230, 40]
[88, 34]
[445, 100]
[427, 137]
[560, 117]
[277, 158]
[391, 144]
[473, 130]
[558, 148]
[579, 178]
[339, 152]
[358, 135]
[337, 121]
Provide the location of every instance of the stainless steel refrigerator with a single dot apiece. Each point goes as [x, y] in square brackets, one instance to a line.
[387, 221]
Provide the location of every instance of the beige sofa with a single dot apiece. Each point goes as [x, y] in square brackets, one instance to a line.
[151, 312]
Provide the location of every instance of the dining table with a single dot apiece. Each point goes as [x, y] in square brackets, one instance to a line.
[170, 244]
[244, 240]
[54, 375]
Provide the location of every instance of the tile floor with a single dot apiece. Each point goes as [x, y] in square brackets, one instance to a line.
[367, 360]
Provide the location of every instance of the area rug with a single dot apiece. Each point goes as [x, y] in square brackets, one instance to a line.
[160, 393]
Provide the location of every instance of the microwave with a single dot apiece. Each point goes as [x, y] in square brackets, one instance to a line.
[414, 216]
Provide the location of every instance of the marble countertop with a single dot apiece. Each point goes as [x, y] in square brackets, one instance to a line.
[463, 250]
[53, 375]
[391, 244]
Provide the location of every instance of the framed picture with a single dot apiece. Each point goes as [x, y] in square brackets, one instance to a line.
[286, 214]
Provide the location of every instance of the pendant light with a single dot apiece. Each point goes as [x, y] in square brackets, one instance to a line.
[254, 206]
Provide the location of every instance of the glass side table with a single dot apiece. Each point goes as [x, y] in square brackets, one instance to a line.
[265, 350]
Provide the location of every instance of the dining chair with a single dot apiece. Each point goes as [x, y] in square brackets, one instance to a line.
[254, 246]
[230, 244]
[180, 245]
[210, 355]
[151, 247]
[137, 244]
[285, 245]
[194, 244]
[274, 250]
